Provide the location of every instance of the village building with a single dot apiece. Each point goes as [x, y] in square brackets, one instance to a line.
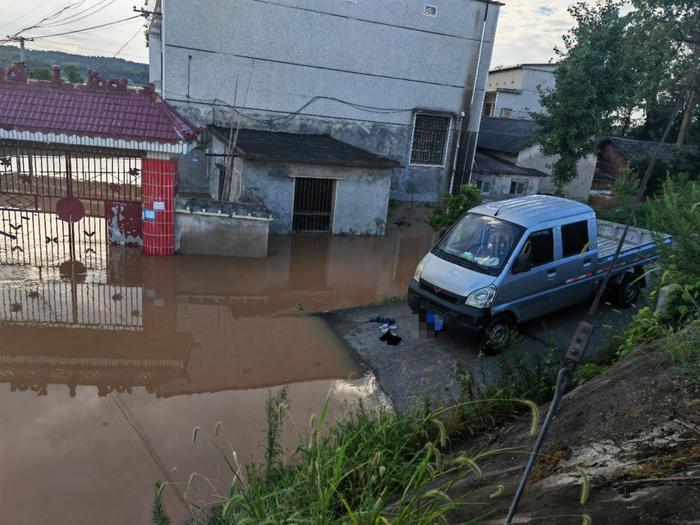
[617, 154]
[512, 141]
[514, 91]
[329, 108]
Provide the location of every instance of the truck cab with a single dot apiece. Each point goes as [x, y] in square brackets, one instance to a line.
[511, 261]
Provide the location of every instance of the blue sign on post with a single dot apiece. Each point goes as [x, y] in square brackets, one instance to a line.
[149, 215]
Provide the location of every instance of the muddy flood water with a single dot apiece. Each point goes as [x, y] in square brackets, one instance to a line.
[105, 371]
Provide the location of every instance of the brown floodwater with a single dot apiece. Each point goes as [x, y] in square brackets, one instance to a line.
[106, 368]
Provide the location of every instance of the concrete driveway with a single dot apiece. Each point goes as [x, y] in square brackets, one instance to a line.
[422, 367]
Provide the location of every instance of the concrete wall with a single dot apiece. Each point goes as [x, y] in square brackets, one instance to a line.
[282, 55]
[192, 172]
[528, 82]
[578, 188]
[360, 202]
[206, 234]
[500, 188]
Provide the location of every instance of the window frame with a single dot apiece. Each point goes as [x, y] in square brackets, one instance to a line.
[516, 180]
[587, 245]
[482, 179]
[448, 135]
[553, 234]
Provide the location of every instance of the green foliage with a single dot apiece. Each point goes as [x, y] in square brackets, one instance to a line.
[588, 371]
[158, 514]
[275, 411]
[455, 206]
[370, 467]
[72, 74]
[40, 73]
[107, 67]
[592, 80]
[615, 68]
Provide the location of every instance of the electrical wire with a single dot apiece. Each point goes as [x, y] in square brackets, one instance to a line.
[25, 14]
[138, 31]
[86, 28]
[36, 25]
[73, 19]
[585, 327]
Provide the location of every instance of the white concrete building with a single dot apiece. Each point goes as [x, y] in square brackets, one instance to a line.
[396, 80]
[514, 91]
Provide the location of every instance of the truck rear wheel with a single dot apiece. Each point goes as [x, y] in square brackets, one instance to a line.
[498, 334]
[626, 292]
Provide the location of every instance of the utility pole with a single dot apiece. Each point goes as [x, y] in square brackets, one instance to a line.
[21, 41]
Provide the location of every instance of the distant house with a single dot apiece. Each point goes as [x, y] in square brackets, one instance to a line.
[498, 179]
[616, 154]
[512, 141]
[514, 91]
[387, 86]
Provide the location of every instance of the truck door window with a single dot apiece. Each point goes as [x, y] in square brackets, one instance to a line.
[574, 238]
[541, 247]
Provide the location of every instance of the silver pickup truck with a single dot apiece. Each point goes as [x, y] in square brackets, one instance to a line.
[510, 261]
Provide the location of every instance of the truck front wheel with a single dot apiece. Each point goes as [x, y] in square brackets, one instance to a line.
[498, 334]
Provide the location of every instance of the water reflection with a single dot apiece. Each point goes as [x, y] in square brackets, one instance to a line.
[103, 375]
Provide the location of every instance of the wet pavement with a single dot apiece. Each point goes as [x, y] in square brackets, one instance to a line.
[106, 367]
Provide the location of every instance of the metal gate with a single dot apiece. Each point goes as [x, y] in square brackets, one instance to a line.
[313, 204]
[60, 204]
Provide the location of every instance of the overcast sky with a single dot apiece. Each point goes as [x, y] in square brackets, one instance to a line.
[527, 29]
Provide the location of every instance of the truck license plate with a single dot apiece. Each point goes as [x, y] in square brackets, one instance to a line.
[436, 320]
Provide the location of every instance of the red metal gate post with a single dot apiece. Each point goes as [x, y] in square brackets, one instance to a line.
[158, 190]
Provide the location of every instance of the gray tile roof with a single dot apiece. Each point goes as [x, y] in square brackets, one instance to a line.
[280, 146]
[486, 165]
[636, 151]
[506, 135]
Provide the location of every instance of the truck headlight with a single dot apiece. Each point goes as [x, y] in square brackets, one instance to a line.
[419, 269]
[482, 298]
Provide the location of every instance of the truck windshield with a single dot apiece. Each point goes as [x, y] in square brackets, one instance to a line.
[480, 242]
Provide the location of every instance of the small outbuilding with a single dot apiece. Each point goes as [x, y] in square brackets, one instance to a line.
[308, 183]
[498, 180]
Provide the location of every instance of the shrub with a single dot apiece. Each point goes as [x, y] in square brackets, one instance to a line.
[453, 207]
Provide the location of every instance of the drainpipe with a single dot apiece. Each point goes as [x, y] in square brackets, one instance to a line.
[471, 152]
[455, 159]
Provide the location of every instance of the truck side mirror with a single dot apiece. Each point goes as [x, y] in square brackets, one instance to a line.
[523, 263]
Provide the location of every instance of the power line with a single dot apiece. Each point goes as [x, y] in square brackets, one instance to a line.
[72, 19]
[25, 14]
[38, 24]
[138, 31]
[87, 28]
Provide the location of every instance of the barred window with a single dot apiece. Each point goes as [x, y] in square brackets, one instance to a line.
[484, 184]
[429, 139]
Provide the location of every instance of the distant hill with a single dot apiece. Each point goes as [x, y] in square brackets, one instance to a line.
[105, 66]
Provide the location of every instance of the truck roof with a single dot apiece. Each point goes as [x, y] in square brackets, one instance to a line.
[533, 209]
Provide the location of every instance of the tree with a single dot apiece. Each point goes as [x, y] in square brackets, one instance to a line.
[593, 81]
[455, 206]
[72, 74]
[622, 73]
[41, 73]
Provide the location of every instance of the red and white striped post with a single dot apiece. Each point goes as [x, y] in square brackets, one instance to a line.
[158, 191]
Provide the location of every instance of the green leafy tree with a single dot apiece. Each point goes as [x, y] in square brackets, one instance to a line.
[592, 81]
[40, 73]
[455, 206]
[623, 67]
[72, 74]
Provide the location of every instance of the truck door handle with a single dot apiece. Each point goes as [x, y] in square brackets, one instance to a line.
[551, 274]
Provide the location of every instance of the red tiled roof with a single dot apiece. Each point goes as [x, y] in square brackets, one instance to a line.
[100, 108]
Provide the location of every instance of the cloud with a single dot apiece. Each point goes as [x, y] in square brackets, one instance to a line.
[545, 10]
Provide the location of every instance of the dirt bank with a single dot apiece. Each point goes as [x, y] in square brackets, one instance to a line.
[635, 433]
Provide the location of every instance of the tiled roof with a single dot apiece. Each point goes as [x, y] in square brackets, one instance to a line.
[636, 151]
[101, 108]
[487, 165]
[280, 146]
[506, 135]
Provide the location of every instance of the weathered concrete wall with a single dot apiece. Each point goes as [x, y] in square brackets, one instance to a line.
[578, 189]
[360, 201]
[500, 188]
[400, 59]
[206, 234]
[529, 81]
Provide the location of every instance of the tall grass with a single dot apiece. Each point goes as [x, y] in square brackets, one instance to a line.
[371, 466]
